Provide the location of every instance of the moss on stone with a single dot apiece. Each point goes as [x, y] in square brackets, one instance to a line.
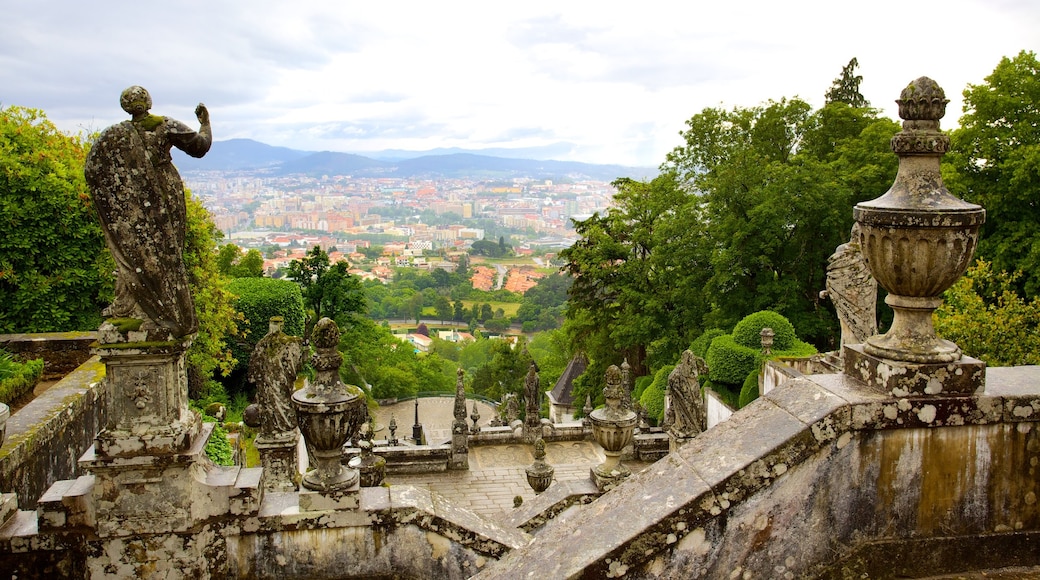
[125, 325]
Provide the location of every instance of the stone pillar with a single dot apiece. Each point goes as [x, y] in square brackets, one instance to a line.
[143, 458]
[151, 484]
[459, 429]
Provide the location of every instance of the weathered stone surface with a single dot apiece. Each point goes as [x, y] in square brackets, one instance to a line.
[58, 426]
[853, 291]
[902, 379]
[140, 200]
[685, 412]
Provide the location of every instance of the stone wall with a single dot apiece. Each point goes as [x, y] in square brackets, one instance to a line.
[46, 438]
[821, 478]
[717, 410]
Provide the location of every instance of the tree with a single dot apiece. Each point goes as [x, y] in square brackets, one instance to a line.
[328, 291]
[55, 270]
[986, 316]
[219, 320]
[995, 162]
[846, 88]
[231, 262]
[443, 308]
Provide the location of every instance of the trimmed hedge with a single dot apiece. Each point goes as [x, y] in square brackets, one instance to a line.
[729, 362]
[259, 299]
[652, 399]
[700, 345]
[733, 357]
[749, 392]
[748, 332]
[21, 378]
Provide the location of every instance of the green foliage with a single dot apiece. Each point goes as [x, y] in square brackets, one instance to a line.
[233, 264]
[846, 88]
[994, 161]
[748, 332]
[386, 366]
[214, 303]
[749, 391]
[17, 378]
[652, 398]
[55, 270]
[729, 362]
[259, 299]
[640, 384]
[329, 290]
[700, 345]
[986, 316]
[544, 306]
[218, 448]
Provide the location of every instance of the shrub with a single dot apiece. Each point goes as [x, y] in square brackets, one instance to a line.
[652, 399]
[17, 379]
[749, 392]
[729, 362]
[748, 332]
[258, 299]
[700, 345]
[640, 386]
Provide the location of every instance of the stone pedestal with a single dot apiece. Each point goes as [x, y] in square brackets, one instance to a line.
[906, 379]
[148, 412]
[278, 457]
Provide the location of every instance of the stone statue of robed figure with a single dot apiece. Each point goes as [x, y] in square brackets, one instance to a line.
[140, 200]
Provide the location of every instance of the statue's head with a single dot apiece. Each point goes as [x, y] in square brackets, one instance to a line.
[135, 100]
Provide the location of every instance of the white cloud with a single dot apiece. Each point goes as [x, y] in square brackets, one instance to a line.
[609, 81]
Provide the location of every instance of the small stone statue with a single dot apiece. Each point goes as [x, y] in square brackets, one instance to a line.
[512, 408]
[140, 200]
[853, 290]
[686, 415]
[273, 368]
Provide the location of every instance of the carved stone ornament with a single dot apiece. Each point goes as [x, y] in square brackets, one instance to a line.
[917, 238]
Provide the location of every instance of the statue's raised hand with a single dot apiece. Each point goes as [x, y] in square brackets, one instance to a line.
[202, 114]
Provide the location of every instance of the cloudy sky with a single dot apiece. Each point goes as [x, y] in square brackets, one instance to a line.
[601, 82]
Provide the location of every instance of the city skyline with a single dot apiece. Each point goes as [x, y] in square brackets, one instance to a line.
[606, 82]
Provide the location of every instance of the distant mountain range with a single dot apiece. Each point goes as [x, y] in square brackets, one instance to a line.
[246, 155]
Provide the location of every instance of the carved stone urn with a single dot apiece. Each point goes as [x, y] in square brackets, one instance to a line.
[329, 412]
[539, 473]
[917, 238]
[613, 426]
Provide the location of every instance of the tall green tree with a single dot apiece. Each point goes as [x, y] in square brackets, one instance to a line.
[846, 87]
[328, 290]
[995, 162]
[55, 270]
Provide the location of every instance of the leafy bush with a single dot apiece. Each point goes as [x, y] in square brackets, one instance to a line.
[748, 332]
[729, 362]
[17, 379]
[700, 345]
[259, 299]
[652, 399]
[749, 392]
[218, 448]
[640, 386]
[731, 358]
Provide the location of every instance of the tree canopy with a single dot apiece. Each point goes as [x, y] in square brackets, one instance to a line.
[995, 161]
[55, 271]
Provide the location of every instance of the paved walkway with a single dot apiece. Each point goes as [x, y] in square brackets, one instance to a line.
[496, 474]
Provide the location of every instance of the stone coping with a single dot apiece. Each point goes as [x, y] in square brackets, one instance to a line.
[386, 506]
[729, 463]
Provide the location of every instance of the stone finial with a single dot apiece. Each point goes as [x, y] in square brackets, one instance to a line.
[922, 100]
[917, 238]
[767, 335]
[539, 473]
[475, 417]
[614, 391]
